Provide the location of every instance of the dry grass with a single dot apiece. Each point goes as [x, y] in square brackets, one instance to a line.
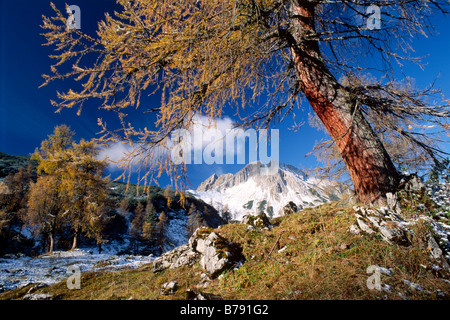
[320, 260]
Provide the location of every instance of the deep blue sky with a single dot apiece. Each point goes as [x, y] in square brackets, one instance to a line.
[26, 116]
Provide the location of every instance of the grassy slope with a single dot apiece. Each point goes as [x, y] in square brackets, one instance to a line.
[322, 260]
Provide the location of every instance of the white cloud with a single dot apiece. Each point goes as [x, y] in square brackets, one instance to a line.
[115, 151]
[208, 141]
[204, 133]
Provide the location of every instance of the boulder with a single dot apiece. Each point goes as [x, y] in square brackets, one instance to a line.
[436, 253]
[38, 296]
[217, 254]
[197, 295]
[259, 221]
[290, 208]
[414, 183]
[169, 288]
[354, 229]
[393, 203]
[180, 256]
[205, 279]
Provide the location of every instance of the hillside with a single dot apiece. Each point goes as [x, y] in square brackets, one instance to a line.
[11, 164]
[310, 254]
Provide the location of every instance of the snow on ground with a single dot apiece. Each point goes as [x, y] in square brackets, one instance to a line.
[18, 270]
[176, 229]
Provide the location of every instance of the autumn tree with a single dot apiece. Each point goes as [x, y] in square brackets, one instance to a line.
[160, 230]
[169, 195]
[194, 221]
[16, 188]
[45, 214]
[137, 225]
[401, 137]
[78, 176]
[45, 204]
[52, 156]
[124, 207]
[205, 56]
[138, 220]
[143, 227]
[148, 228]
[86, 190]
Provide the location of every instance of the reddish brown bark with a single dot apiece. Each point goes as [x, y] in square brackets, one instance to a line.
[370, 167]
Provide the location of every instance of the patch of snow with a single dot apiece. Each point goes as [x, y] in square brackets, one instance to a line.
[17, 271]
[386, 288]
[386, 271]
[176, 229]
[415, 286]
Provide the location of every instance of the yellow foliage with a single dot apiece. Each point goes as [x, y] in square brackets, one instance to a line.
[199, 55]
[73, 183]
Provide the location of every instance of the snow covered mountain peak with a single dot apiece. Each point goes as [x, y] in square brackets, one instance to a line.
[249, 191]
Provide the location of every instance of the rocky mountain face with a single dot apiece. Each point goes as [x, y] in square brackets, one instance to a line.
[249, 191]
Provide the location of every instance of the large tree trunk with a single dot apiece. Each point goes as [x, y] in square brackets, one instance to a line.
[370, 167]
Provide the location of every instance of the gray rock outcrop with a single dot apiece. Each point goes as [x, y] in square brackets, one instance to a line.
[381, 221]
[180, 256]
[436, 253]
[214, 252]
[217, 254]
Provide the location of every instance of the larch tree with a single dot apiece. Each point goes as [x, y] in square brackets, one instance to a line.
[14, 193]
[138, 220]
[86, 190]
[52, 156]
[137, 225]
[148, 228]
[78, 176]
[45, 203]
[124, 207]
[205, 56]
[44, 212]
[400, 136]
[194, 221]
[160, 230]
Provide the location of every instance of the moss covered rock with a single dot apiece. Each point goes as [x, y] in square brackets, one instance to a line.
[259, 221]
